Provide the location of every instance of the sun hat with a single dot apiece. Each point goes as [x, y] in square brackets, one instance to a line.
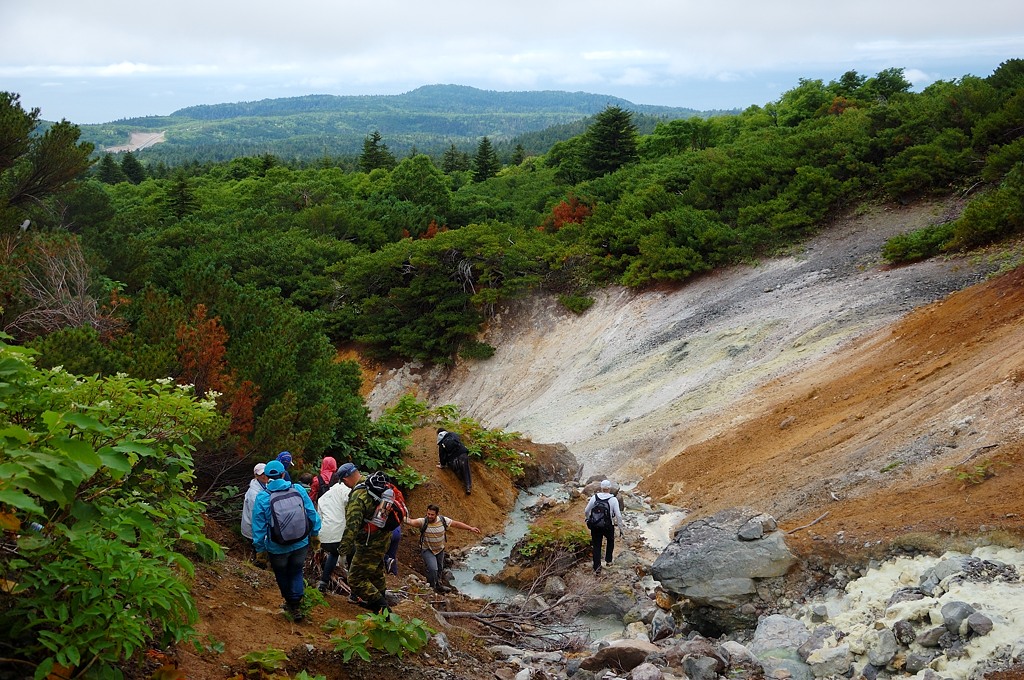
[345, 470]
[258, 468]
[285, 458]
[606, 484]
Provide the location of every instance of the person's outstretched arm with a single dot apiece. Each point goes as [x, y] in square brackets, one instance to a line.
[462, 525]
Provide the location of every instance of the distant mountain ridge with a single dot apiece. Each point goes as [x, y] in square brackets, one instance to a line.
[460, 99]
[428, 119]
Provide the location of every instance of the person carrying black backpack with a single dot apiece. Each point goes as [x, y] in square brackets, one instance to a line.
[453, 454]
[602, 514]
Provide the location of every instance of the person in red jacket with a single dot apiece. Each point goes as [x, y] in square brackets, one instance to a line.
[323, 480]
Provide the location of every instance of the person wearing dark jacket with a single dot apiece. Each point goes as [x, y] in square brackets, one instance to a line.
[454, 455]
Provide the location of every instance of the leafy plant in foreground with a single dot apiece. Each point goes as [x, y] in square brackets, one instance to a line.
[104, 467]
[387, 632]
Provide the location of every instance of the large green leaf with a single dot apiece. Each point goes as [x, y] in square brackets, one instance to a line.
[117, 463]
[81, 453]
[84, 422]
[20, 500]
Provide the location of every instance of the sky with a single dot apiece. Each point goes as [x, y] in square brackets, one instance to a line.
[97, 62]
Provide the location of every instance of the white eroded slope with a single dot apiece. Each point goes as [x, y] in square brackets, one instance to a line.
[621, 384]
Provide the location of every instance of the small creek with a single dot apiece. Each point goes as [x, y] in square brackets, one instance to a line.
[489, 556]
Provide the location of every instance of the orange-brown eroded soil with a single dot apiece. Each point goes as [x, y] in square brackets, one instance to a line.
[823, 447]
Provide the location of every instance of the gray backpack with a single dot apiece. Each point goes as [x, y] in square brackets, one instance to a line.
[288, 521]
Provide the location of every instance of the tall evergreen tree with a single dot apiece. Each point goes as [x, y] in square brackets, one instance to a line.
[455, 160]
[133, 169]
[519, 155]
[610, 142]
[485, 163]
[109, 172]
[35, 167]
[376, 154]
[180, 198]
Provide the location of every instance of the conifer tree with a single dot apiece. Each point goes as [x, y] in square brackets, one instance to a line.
[610, 142]
[109, 172]
[133, 169]
[376, 154]
[485, 163]
[455, 160]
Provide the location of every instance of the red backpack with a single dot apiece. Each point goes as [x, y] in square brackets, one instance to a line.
[391, 509]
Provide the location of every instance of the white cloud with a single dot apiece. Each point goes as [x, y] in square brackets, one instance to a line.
[671, 47]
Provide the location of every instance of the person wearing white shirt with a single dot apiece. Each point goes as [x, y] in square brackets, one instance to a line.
[332, 518]
[602, 514]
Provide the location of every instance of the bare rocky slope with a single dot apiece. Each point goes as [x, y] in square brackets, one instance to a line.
[816, 382]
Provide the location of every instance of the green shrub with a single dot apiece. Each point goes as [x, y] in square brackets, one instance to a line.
[993, 216]
[557, 537]
[105, 465]
[917, 245]
[387, 632]
[474, 349]
[577, 304]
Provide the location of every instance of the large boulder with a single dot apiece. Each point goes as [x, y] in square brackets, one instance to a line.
[715, 564]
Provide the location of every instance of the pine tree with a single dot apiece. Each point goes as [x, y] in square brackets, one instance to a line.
[35, 167]
[485, 163]
[109, 172]
[455, 161]
[376, 154]
[133, 169]
[610, 142]
[519, 155]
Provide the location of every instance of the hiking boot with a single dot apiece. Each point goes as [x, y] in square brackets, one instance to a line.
[468, 491]
[322, 586]
[597, 570]
[294, 611]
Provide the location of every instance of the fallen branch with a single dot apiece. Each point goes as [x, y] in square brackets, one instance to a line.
[793, 531]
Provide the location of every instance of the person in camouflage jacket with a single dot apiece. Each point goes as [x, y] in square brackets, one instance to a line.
[366, 575]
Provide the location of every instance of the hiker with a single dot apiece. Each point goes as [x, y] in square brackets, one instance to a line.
[328, 466]
[332, 516]
[602, 514]
[285, 527]
[306, 481]
[367, 543]
[257, 484]
[391, 556]
[285, 459]
[433, 539]
[454, 455]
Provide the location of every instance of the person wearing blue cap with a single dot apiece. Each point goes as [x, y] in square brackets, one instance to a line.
[284, 524]
[285, 458]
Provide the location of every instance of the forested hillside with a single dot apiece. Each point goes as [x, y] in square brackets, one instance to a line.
[310, 129]
[207, 301]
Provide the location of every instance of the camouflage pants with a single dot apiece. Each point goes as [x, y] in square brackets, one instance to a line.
[366, 573]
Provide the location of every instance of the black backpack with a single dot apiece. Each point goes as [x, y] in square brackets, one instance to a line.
[289, 523]
[453, 446]
[322, 487]
[600, 514]
[423, 529]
